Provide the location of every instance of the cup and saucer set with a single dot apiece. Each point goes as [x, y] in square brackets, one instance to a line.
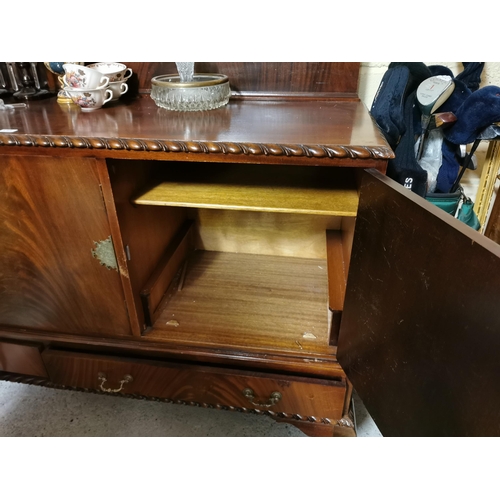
[92, 86]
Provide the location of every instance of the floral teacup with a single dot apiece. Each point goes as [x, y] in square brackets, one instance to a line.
[82, 77]
[89, 99]
[115, 71]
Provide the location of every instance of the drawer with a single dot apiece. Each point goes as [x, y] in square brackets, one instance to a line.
[21, 359]
[198, 384]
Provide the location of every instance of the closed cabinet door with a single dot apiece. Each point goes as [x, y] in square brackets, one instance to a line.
[56, 256]
[420, 333]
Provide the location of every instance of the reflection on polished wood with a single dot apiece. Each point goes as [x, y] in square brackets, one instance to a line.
[244, 130]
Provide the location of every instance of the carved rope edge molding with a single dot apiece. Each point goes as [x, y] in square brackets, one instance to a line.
[25, 379]
[227, 148]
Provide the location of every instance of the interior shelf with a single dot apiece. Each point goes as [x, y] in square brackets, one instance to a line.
[242, 300]
[263, 188]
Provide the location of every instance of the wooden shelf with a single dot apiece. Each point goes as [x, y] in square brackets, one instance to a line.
[262, 188]
[242, 300]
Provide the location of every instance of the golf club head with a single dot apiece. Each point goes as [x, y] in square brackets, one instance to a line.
[444, 119]
[433, 92]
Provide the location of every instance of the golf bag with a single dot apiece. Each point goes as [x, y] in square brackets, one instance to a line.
[431, 169]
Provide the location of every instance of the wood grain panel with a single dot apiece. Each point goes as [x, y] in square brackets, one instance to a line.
[249, 301]
[263, 233]
[51, 215]
[19, 358]
[157, 284]
[287, 189]
[248, 131]
[337, 272]
[199, 384]
[146, 231]
[419, 337]
[265, 77]
[492, 230]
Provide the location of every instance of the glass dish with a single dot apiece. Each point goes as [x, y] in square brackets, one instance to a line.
[205, 91]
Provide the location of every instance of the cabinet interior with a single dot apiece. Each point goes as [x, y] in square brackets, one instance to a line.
[243, 256]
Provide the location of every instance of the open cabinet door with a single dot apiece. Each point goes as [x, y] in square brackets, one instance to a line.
[420, 333]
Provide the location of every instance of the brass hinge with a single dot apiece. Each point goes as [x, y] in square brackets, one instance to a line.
[104, 252]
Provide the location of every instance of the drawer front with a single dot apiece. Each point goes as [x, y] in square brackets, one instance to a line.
[22, 359]
[197, 384]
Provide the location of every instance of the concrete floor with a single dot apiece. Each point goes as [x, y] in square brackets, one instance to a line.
[38, 411]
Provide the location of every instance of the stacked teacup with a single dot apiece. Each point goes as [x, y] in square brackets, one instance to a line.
[118, 75]
[87, 87]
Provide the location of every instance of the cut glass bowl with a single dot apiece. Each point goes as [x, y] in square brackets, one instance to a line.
[205, 91]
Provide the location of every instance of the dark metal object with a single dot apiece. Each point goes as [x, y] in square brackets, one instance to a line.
[4, 89]
[25, 81]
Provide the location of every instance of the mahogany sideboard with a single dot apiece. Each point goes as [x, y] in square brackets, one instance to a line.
[250, 258]
[193, 257]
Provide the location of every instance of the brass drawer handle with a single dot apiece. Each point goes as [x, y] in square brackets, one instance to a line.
[102, 377]
[273, 398]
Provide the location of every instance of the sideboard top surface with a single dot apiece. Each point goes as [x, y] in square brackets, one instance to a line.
[294, 128]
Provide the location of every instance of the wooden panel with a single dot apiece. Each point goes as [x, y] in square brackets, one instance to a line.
[348, 226]
[493, 227]
[119, 247]
[265, 77]
[287, 189]
[146, 231]
[419, 337]
[52, 214]
[247, 131]
[263, 233]
[249, 301]
[198, 384]
[315, 365]
[162, 276]
[486, 188]
[24, 359]
[337, 271]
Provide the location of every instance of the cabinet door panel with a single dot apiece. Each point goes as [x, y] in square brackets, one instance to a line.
[420, 334]
[51, 215]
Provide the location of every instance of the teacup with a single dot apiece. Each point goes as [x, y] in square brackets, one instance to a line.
[118, 89]
[115, 71]
[83, 77]
[89, 99]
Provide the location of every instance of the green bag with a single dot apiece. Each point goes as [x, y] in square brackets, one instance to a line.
[456, 204]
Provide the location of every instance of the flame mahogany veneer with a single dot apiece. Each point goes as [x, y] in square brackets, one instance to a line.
[91, 282]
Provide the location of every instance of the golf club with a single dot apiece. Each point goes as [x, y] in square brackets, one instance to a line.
[490, 133]
[431, 94]
[444, 119]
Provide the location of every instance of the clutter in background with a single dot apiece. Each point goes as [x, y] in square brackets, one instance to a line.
[428, 116]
